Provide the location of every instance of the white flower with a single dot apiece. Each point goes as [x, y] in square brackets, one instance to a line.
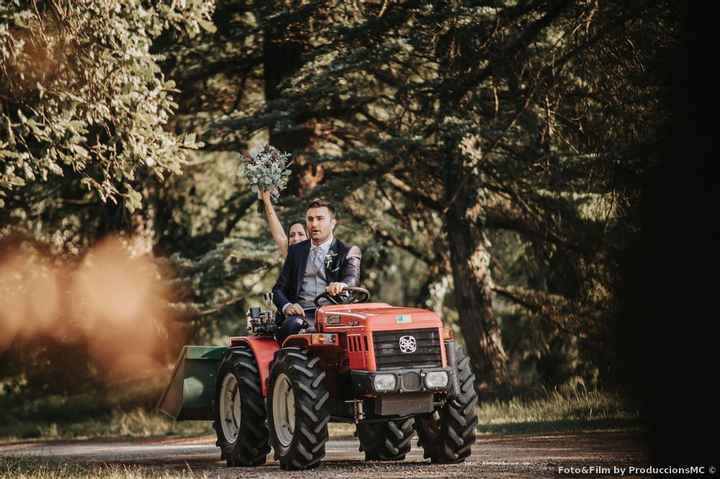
[267, 169]
[329, 259]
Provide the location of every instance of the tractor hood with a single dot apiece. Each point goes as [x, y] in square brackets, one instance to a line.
[376, 316]
[372, 334]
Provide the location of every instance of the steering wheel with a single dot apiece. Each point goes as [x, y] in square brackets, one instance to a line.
[349, 295]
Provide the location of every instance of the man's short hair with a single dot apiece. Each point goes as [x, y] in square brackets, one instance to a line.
[319, 203]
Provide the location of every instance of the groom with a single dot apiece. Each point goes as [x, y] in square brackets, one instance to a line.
[320, 264]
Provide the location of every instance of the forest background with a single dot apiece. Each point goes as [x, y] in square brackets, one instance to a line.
[496, 162]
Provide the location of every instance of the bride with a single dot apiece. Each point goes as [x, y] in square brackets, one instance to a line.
[295, 233]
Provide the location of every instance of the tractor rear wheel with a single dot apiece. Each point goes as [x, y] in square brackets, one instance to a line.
[386, 441]
[240, 414]
[447, 435]
[298, 409]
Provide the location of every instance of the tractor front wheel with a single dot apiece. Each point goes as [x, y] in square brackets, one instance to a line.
[298, 409]
[386, 441]
[447, 435]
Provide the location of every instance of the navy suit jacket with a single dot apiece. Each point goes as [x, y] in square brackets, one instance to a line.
[339, 268]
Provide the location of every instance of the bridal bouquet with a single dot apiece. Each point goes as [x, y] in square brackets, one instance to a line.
[267, 169]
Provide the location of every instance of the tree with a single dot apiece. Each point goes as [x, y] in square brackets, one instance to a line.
[446, 123]
[485, 157]
[84, 110]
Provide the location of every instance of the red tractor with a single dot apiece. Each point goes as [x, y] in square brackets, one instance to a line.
[392, 371]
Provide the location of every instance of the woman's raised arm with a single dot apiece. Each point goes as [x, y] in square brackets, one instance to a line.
[276, 229]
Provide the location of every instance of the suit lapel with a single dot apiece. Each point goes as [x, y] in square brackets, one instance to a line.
[331, 251]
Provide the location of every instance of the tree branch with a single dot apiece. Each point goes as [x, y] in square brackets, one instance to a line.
[547, 306]
[411, 192]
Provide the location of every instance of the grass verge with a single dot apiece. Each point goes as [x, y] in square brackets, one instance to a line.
[556, 412]
[137, 422]
[123, 409]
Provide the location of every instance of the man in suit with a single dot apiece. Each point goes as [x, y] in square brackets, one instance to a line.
[320, 264]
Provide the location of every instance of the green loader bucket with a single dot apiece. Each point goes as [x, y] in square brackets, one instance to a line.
[191, 391]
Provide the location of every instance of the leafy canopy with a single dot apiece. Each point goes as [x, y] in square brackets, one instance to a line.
[81, 93]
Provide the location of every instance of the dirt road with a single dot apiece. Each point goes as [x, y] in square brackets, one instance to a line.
[493, 456]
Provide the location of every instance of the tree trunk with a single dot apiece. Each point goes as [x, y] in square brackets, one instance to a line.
[469, 258]
[470, 261]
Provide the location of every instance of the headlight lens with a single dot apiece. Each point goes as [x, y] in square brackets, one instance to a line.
[436, 379]
[384, 382]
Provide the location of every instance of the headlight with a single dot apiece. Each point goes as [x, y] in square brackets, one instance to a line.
[384, 382]
[436, 379]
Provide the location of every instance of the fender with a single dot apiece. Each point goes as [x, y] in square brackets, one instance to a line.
[307, 340]
[264, 349]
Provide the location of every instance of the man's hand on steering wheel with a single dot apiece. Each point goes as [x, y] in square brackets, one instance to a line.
[333, 289]
[347, 295]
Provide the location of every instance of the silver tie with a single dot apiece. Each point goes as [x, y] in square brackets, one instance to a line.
[317, 259]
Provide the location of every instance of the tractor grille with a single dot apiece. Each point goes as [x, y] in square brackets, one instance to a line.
[389, 356]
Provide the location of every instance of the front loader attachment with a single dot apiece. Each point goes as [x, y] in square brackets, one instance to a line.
[191, 391]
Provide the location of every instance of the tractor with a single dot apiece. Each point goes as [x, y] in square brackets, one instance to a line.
[393, 371]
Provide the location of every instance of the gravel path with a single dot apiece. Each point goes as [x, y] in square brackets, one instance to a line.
[492, 456]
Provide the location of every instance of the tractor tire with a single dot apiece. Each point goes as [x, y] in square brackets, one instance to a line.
[386, 441]
[448, 434]
[298, 409]
[242, 433]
